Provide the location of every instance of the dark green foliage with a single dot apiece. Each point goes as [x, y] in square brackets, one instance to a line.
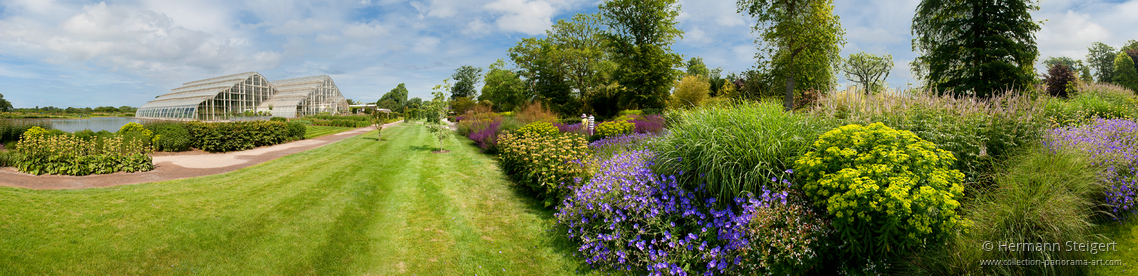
[978, 48]
[237, 136]
[465, 78]
[5, 105]
[1125, 73]
[395, 100]
[339, 121]
[503, 87]
[171, 137]
[801, 41]
[9, 158]
[1058, 78]
[297, 130]
[1101, 58]
[640, 38]
[11, 130]
[278, 119]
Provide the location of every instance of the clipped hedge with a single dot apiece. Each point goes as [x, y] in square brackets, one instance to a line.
[297, 130]
[237, 136]
[171, 137]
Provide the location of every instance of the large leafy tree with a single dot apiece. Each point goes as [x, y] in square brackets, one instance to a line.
[395, 100]
[696, 67]
[568, 67]
[465, 79]
[544, 76]
[975, 47]
[641, 33]
[1124, 72]
[1101, 57]
[5, 105]
[503, 87]
[868, 70]
[799, 41]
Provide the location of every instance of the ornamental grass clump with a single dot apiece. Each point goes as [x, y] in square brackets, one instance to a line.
[43, 153]
[546, 161]
[630, 218]
[888, 192]
[737, 148]
[1111, 144]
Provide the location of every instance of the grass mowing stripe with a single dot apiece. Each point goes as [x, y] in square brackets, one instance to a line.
[317, 131]
[354, 207]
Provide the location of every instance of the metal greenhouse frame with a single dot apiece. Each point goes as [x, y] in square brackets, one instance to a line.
[229, 97]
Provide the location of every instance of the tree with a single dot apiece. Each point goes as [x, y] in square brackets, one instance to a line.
[1124, 72]
[978, 48]
[465, 79]
[503, 87]
[351, 101]
[799, 41]
[696, 67]
[5, 105]
[461, 104]
[1101, 57]
[690, 91]
[545, 77]
[397, 97]
[869, 70]
[1052, 61]
[640, 36]
[1059, 78]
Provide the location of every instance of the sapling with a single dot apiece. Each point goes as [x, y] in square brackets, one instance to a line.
[441, 131]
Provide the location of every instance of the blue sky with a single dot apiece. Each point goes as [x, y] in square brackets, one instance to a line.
[88, 54]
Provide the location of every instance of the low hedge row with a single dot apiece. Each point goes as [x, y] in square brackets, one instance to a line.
[236, 136]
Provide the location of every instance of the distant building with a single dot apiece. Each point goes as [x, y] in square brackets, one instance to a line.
[245, 95]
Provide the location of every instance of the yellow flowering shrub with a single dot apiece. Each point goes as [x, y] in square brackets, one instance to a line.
[614, 128]
[547, 163]
[539, 128]
[887, 191]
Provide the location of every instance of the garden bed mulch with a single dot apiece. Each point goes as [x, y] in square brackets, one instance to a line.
[172, 166]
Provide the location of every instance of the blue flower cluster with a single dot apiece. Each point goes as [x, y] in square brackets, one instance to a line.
[629, 218]
[1113, 144]
[608, 146]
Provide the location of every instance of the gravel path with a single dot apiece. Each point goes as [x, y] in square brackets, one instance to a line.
[171, 166]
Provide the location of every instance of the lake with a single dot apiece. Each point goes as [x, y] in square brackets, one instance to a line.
[96, 124]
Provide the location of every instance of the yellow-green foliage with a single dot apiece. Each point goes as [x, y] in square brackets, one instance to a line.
[133, 127]
[690, 91]
[887, 191]
[68, 154]
[615, 128]
[35, 131]
[548, 164]
[539, 128]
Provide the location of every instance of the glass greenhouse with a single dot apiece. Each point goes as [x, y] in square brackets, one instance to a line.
[246, 94]
[305, 96]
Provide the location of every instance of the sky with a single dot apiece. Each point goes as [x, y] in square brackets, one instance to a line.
[116, 53]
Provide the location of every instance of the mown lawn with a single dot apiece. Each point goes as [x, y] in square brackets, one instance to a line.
[356, 207]
[1126, 235]
[317, 131]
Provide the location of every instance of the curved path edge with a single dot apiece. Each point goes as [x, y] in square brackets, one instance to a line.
[176, 166]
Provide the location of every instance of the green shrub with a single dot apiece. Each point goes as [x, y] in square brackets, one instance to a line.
[11, 130]
[547, 164]
[887, 191]
[614, 128]
[539, 128]
[297, 130]
[979, 133]
[9, 158]
[738, 148]
[788, 238]
[1044, 197]
[278, 119]
[171, 137]
[237, 136]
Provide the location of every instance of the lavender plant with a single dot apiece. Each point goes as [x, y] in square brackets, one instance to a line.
[1112, 144]
[629, 218]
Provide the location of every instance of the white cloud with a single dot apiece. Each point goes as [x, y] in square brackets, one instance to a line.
[529, 17]
[1069, 34]
[134, 39]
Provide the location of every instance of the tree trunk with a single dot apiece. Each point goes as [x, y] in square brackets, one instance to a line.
[788, 101]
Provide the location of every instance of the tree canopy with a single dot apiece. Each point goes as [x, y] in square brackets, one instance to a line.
[395, 99]
[1124, 72]
[503, 87]
[465, 79]
[868, 70]
[640, 36]
[978, 48]
[5, 105]
[799, 41]
[1101, 58]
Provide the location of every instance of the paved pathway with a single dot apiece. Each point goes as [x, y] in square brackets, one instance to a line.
[175, 166]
